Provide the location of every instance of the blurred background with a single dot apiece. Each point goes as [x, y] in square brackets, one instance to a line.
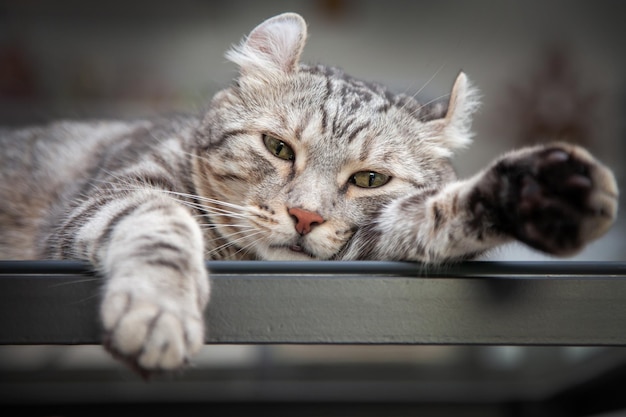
[547, 70]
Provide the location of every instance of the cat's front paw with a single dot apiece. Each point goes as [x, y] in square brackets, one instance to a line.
[150, 335]
[556, 198]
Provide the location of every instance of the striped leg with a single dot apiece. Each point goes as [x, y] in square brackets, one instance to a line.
[150, 250]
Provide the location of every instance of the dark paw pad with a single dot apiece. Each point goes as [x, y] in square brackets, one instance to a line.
[554, 199]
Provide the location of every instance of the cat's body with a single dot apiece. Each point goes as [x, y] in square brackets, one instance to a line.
[291, 162]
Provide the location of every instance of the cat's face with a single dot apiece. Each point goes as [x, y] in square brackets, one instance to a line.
[303, 156]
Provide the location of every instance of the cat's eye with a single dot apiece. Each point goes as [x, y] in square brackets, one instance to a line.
[279, 148]
[369, 179]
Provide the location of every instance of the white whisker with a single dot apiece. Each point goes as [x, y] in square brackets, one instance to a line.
[212, 210]
[245, 249]
[414, 95]
[430, 102]
[441, 67]
[235, 225]
[205, 199]
[233, 242]
[229, 235]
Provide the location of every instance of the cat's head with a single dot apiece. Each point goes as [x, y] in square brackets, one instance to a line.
[299, 157]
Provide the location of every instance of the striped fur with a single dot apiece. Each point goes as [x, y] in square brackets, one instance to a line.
[147, 201]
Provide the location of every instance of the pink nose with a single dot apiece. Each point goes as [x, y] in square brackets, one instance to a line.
[305, 219]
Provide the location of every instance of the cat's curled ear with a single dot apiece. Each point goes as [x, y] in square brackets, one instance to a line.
[273, 46]
[454, 129]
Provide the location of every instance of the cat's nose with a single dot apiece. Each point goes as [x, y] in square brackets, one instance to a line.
[305, 219]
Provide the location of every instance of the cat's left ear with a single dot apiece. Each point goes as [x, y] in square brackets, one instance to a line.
[455, 127]
[274, 45]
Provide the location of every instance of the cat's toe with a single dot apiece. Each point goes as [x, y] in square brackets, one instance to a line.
[592, 190]
[150, 336]
[170, 342]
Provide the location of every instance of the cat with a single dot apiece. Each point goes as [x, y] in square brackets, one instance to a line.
[290, 162]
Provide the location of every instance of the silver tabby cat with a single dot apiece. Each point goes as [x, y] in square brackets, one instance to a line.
[291, 162]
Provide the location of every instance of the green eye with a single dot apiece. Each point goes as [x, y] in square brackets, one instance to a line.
[369, 179]
[279, 148]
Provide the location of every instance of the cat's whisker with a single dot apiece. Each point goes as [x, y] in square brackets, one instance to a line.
[246, 249]
[213, 211]
[217, 215]
[133, 187]
[228, 235]
[437, 71]
[210, 209]
[225, 233]
[432, 77]
[434, 100]
[213, 225]
[75, 281]
[233, 242]
[206, 199]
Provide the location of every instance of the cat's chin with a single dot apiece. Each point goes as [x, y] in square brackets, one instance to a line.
[288, 253]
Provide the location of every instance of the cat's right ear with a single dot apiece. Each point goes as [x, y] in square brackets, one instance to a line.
[274, 45]
[453, 131]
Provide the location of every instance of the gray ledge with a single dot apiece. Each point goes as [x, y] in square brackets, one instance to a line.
[519, 303]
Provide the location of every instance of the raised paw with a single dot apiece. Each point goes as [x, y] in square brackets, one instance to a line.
[150, 335]
[555, 198]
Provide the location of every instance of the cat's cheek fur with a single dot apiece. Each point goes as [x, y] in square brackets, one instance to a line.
[325, 242]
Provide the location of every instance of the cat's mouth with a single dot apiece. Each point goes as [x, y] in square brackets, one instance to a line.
[300, 249]
[295, 249]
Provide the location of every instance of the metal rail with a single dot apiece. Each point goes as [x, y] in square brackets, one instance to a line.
[514, 303]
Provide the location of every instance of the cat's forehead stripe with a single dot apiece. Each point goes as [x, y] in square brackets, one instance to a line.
[354, 94]
[357, 130]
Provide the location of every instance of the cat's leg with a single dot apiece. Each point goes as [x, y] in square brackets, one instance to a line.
[554, 198]
[150, 250]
